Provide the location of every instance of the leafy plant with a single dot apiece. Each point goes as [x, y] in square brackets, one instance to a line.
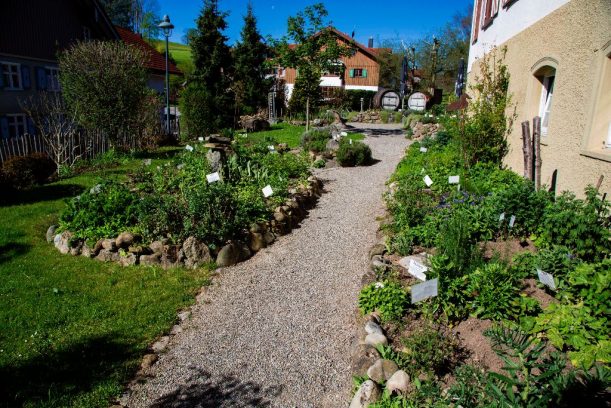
[494, 289]
[431, 351]
[457, 241]
[316, 140]
[355, 154]
[388, 298]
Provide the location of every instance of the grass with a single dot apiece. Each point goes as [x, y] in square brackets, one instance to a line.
[284, 133]
[181, 53]
[73, 330]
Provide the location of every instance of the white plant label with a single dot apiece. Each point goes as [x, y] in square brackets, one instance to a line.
[344, 134]
[189, 148]
[201, 139]
[454, 179]
[213, 177]
[271, 148]
[424, 290]
[512, 220]
[424, 149]
[501, 217]
[148, 162]
[547, 279]
[350, 141]
[417, 270]
[267, 191]
[428, 181]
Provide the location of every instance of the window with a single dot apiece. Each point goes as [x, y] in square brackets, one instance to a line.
[16, 124]
[545, 104]
[599, 122]
[86, 33]
[52, 75]
[358, 73]
[11, 76]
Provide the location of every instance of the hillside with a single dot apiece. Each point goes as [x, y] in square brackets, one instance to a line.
[181, 53]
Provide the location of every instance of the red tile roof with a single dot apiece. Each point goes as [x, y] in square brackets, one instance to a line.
[156, 61]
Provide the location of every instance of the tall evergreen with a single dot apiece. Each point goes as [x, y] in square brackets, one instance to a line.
[207, 102]
[249, 58]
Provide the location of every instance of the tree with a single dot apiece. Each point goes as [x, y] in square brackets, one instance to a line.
[188, 34]
[249, 62]
[315, 50]
[105, 84]
[119, 12]
[209, 89]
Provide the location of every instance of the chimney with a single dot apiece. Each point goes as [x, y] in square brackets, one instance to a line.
[370, 42]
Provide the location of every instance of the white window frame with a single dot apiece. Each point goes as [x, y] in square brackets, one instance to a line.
[360, 70]
[9, 84]
[15, 121]
[545, 103]
[52, 74]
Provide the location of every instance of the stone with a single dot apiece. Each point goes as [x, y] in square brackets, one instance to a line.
[371, 328]
[184, 315]
[51, 233]
[147, 361]
[269, 237]
[228, 255]
[109, 245]
[378, 262]
[76, 249]
[97, 247]
[106, 255]
[124, 240]
[171, 256]
[62, 242]
[156, 247]
[375, 339]
[161, 344]
[399, 383]
[245, 251]
[87, 251]
[280, 216]
[257, 241]
[254, 124]
[139, 250]
[364, 358]
[282, 147]
[332, 145]
[150, 260]
[382, 370]
[196, 253]
[254, 228]
[215, 159]
[377, 249]
[128, 259]
[367, 394]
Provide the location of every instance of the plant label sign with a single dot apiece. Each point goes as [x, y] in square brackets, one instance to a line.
[428, 181]
[417, 270]
[213, 177]
[424, 149]
[512, 220]
[344, 134]
[350, 141]
[501, 217]
[453, 179]
[267, 191]
[547, 279]
[424, 290]
[201, 139]
[271, 148]
[189, 148]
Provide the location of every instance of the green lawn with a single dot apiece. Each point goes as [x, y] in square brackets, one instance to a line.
[181, 53]
[72, 330]
[284, 133]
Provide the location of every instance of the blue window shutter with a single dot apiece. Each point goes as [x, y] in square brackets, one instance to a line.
[4, 127]
[25, 77]
[31, 127]
[364, 73]
[352, 73]
[41, 79]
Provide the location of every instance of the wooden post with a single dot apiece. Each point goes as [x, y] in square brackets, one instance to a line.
[552, 188]
[537, 151]
[527, 149]
[307, 114]
[600, 182]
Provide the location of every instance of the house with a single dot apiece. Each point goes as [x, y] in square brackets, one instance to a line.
[32, 33]
[559, 61]
[359, 71]
[155, 62]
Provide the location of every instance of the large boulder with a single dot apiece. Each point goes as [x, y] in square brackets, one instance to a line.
[51, 233]
[196, 253]
[382, 370]
[124, 240]
[62, 242]
[398, 383]
[215, 159]
[254, 124]
[150, 260]
[228, 255]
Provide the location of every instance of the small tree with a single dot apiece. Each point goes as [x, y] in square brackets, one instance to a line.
[105, 84]
[249, 61]
[315, 50]
[207, 101]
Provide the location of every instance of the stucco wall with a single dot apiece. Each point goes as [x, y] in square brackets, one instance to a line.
[574, 39]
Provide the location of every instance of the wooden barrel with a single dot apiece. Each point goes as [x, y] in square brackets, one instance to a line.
[418, 101]
[387, 99]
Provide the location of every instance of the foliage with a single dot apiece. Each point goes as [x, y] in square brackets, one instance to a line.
[315, 140]
[23, 172]
[353, 154]
[315, 51]
[207, 98]
[469, 391]
[249, 56]
[457, 241]
[583, 226]
[494, 291]
[388, 298]
[104, 84]
[430, 351]
[352, 99]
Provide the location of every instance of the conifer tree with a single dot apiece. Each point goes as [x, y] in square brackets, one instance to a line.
[249, 56]
[207, 103]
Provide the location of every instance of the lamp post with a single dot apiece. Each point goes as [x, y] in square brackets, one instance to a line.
[167, 27]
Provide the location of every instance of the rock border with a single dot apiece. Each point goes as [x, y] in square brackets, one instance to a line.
[126, 249]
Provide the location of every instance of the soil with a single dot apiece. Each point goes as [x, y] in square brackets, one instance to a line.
[471, 335]
[506, 249]
[531, 289]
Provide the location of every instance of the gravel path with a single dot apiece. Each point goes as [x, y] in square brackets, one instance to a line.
[278, 329]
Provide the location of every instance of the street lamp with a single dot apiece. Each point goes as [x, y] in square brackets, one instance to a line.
[167, 27]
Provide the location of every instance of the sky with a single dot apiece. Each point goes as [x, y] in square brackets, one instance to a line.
[403, 19]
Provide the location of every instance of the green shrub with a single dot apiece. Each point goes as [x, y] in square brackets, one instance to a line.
[384, 116]
[397, 117]
[495, 289]
[457, 241]
[388, 298]
[430, 351]
[355, 154]
[23, 172]
[428, 119]
[316, 140]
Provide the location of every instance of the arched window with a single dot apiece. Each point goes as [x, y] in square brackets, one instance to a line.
[544, 73]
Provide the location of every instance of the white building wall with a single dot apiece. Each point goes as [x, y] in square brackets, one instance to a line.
[509, 22]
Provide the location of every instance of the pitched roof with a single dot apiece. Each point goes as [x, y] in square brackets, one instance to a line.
[370, 52]
[156, 61]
